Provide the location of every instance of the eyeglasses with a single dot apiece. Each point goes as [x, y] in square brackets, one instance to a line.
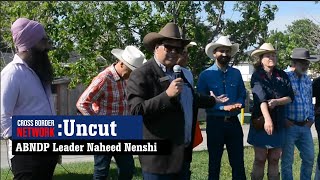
[169, 48]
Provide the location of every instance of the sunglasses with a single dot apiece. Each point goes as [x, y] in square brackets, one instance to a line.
[169, 48]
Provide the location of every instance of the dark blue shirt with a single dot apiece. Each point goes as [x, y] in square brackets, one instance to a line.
[229, 82]
[264, 89]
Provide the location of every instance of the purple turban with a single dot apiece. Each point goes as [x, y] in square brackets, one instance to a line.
[26, 33]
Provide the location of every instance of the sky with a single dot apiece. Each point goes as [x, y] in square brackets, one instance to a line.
[288, 11]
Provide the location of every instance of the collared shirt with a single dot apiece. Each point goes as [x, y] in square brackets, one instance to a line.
[106, 95]
[301, 108]
[186, 99]
[22, 93]
[163, 67]
[229, 83]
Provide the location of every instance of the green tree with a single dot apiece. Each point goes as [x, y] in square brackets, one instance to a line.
[88, 30]
[301, 33]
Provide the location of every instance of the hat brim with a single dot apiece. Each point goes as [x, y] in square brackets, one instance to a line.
[258, 52]
[212, 46]
[312, 58]
[118, 54]
[151, 39]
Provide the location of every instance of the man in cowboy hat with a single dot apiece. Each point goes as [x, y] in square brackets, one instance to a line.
[97, 100]
[223, 126]
[153, 92]
[300, 117]
[26, 90]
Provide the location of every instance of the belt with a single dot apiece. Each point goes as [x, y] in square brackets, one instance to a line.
[226, 118]
[299, 123]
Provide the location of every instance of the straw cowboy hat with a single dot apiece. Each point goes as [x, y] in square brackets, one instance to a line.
[303, 54]
[169, 31]
[222, 41]
[131, 56]
[264, 48]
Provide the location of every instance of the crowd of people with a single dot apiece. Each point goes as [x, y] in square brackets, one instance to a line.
[282, 112]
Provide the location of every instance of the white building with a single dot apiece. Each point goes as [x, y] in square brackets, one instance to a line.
[246, 70]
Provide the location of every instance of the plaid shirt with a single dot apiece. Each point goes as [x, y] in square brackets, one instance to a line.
[106, 95]
[301, 108]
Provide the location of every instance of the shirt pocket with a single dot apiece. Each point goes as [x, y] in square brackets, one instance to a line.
[232, 89]
[217, 89]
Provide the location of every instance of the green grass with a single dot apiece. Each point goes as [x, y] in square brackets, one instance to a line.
[199, 167]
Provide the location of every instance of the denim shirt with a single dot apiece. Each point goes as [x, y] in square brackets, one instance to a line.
[229, 83]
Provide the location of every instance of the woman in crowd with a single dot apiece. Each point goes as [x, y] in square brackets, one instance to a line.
[271, 90]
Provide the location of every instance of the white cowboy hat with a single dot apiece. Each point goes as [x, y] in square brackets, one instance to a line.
[222, 41]
[264, 48]
[131, 56]
[190, 44]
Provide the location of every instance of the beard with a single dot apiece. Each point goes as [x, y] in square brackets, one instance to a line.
[40, 64]
[223, 60]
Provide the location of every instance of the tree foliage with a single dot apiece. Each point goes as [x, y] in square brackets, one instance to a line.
[301, 33]
[91, 29]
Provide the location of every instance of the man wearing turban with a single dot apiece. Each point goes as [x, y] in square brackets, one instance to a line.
[26, 90]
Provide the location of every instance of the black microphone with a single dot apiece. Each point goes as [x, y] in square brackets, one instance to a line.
[177, 71]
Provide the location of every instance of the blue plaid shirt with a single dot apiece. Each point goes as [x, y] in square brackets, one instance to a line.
[301, 108]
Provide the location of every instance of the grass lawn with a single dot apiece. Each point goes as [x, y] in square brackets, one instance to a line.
[199, 167]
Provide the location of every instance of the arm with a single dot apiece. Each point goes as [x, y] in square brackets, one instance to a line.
[279, 102]
[241, 91]
[137, 88]
[268, 125]
[96, 89]
[202, 88]
[310, 106]
[204, 101]
[289, 95]
[9, 95]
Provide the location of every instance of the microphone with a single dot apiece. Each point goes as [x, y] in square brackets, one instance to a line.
[177, 74]
[177, 71]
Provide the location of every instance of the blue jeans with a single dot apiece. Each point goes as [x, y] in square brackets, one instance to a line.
[220, 133]
[125, 165]
[302, 138]
[317, 124]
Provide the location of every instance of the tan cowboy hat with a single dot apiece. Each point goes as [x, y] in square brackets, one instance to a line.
[303, 54]
[169, 31]
[264, 48]
[222, 41]
[131, 56]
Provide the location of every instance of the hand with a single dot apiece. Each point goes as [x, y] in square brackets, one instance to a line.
[232, 107]
[272, 103]
[309, 124]
[220, 99]
[268, 126]
[289, 123]
[175, 87]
